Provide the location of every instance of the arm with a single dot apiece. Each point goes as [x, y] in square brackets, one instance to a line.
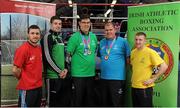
[68, 54]
[20, 58]
[68, 58]
[98, 50]
[47, 48]
[128, 51]
[16, 72]
[162, 68]
[128, 60]
[72, 44]
[64, 72]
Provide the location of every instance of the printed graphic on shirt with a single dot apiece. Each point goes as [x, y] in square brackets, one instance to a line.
[165, 53]
[32, 58]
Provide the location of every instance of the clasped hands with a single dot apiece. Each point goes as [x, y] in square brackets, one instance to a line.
[63, 73]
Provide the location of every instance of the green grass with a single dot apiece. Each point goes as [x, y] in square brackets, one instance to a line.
[8, 88]
[6, 70]
[8, 85]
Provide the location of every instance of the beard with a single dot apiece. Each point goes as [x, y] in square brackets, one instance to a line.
[34, 42]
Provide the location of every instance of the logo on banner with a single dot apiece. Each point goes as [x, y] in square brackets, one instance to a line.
[165, 53]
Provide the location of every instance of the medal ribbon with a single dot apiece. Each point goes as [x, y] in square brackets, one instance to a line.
[86, 42]
[108, 49]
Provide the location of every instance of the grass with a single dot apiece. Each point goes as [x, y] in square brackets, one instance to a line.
[8, 88]
[8, 85]
[6, 69]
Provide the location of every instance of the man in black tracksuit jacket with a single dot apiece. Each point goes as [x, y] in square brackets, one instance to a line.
[58, 81]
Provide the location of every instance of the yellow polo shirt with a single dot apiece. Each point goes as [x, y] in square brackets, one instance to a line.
[142, 62]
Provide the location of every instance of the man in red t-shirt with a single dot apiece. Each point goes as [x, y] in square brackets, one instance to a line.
[28, 70]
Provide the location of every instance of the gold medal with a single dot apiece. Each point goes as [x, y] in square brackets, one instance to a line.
[106, 57]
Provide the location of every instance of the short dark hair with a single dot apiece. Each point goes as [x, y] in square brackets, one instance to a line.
[141, 33]
[84, 16]
[107, 23]
[54, 18]
[33, 27]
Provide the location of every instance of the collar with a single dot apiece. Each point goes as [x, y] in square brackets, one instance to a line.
[54, 33]
[112, 39]
[84, 33]
[31, 44]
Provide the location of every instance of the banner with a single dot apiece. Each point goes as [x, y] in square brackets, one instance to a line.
[161, 23]
[34, 8]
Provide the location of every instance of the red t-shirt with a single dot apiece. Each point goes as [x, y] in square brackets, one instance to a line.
[29, 59]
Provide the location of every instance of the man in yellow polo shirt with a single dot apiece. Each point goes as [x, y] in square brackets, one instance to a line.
[143, 59]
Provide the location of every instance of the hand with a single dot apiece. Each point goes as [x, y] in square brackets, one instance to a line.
[148, 82]
[68, 59]
[63, 73]
[16, 72]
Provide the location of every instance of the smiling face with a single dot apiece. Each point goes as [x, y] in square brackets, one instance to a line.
[56, 25]
[34, 35]
[140, 41]
[110, 31]
[85, 25]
